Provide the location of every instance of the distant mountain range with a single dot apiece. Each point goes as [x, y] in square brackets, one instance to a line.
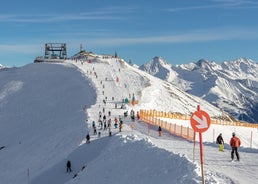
[231, 86]
[1, 66]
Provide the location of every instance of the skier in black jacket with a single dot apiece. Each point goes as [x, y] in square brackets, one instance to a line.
[68, 166]
[220, 142]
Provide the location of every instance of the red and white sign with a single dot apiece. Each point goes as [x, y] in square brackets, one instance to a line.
[200, 121]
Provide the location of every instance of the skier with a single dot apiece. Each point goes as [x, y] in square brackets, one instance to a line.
[220, 142]
[95, 130]
[68, 166]
[235, 143]
[120, 125]
[109, 132]
[101, 124]
[160, 131]
[88, 138]
[93, 124]
[109, 122]
[138, 115]
[116, 122]
[125, 114]
[132, 114]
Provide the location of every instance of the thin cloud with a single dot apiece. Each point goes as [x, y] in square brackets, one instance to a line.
[191, 8]
[243, 4]
[55, 18]
[109, 13]
[196, 36]
[20, 48]
[237, 4]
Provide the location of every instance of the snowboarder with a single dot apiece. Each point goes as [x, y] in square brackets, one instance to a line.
[160, 131]
[68, 166]
[88, 138]
[235, 143]
[220, 142]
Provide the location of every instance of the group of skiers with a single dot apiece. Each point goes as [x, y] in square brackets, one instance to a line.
[118, 123]
[235, 142]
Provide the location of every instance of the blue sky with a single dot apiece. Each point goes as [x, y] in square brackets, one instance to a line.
[180, 31]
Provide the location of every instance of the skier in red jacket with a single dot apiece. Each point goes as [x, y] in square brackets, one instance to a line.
[235, 143]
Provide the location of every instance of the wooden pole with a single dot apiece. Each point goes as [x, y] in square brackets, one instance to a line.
[251, 140]
[201, 151]
[149, 130]
[194, 146]
[201, 158]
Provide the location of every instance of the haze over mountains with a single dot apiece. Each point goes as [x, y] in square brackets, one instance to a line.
[231, 85]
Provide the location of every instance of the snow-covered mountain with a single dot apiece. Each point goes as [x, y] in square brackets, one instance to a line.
[46, 109]
[1, 67]
[231, 86]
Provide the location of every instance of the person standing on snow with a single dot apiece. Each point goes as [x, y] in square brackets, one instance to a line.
[120, 125]
[95, 130]
[138, 115]
[116, 124]
[160, 131]
[93, 124]
[88, 138]
[220, 142]
[68, 166]
[235, 143]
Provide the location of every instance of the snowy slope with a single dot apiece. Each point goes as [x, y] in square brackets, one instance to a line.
[41, 118]
[231, 86]
[43, 125]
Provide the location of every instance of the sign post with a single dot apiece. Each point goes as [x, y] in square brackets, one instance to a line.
[200, 122]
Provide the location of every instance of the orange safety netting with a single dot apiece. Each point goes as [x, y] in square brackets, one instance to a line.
[184, 132]
[161, 114]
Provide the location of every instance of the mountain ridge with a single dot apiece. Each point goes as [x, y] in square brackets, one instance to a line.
[231, 85]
